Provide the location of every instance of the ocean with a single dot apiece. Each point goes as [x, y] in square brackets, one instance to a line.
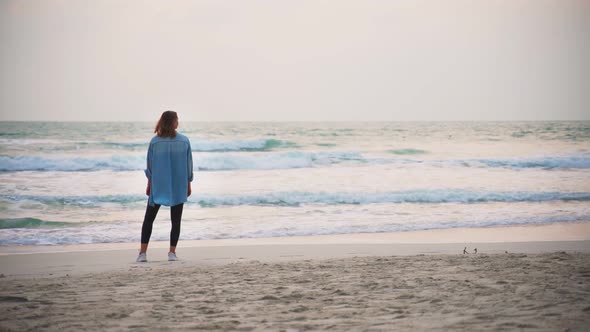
[76, 183]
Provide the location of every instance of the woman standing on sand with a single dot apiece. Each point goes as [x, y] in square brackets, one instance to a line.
[169, 172]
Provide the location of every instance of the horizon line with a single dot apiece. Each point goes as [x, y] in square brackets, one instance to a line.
[291, 121]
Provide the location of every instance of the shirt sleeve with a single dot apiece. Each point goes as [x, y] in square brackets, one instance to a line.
[189, 161]
[148, 170]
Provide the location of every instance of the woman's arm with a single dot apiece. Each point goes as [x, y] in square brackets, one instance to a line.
[189, 160]
[189, 168]
[148, 170]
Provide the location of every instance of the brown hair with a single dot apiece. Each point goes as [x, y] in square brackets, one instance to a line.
[165, 126]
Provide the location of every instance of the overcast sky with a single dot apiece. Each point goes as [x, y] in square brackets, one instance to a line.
[395, 60]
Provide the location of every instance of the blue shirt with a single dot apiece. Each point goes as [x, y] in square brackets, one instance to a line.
[170, 169]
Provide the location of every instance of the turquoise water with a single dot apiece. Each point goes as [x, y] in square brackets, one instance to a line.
[67, 183]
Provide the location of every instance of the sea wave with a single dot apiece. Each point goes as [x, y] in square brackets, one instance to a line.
[409, 151]
[212, 145]
[408, 196]
[260, 144]
[204, 161]
[31, 223]
[210, 161]
[75, 201]
[69, 164]
[548, 162]
[296, 198]
[198, 145]
[282, 160]
[117, 232]
[577, 161]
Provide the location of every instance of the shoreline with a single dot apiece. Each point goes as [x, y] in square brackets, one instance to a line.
[54, 261]
[559, 231]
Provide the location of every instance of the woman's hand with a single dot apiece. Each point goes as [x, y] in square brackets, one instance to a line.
[147, 189]
[188, 193]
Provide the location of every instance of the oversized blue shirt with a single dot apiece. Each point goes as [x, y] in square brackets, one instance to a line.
[170, 169]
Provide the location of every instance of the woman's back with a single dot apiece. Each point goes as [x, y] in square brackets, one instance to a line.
[170, 169]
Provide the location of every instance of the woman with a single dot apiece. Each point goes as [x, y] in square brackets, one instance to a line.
[169, 172]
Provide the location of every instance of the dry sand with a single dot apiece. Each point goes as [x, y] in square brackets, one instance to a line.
[296, 287]
[439, 292]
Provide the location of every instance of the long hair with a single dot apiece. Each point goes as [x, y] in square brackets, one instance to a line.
[165, 126]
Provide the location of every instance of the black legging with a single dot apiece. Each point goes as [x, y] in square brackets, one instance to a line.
[150, 216]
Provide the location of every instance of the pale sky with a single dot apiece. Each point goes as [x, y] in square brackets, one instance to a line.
[245, 60]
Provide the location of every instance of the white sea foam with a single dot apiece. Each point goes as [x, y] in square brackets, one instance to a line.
[65, 164]
[197, 144]
[278, 160]
[211, 229]
[203, 161]
[295, 198]
[257, 144]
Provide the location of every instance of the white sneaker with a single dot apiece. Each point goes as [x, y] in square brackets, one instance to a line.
[141, 258]
[172, 256]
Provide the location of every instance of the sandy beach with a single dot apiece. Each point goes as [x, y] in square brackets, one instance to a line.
[363, 282]
[318, 165]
